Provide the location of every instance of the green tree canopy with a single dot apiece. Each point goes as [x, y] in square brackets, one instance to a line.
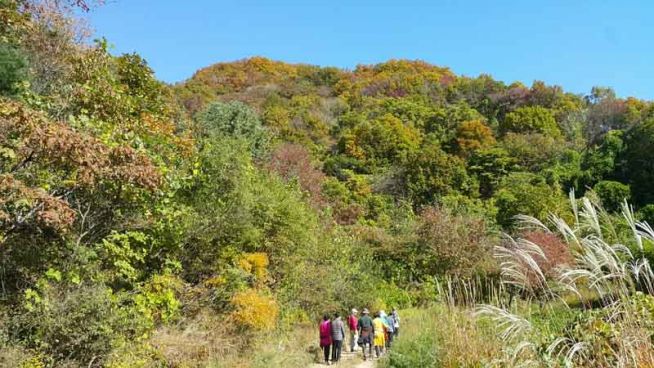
[13, 69]
[234, 119]
[639, 165]
[522, 193]
[531, 119]
[381, 142]
[612, 194]
[431, 173]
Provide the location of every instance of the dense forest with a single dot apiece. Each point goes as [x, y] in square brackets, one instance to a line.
[146, 224]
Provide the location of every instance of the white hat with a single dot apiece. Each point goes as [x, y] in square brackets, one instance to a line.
[354, 311]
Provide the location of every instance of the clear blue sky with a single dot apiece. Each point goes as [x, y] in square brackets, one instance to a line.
[575, 44]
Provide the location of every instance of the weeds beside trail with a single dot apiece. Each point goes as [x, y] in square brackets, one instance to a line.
[594, 308]
[441, 337]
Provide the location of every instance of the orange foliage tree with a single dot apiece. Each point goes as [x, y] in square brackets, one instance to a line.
[473, 135]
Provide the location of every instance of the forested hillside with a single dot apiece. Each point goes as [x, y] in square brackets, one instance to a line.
[419, 134]
[144, 224]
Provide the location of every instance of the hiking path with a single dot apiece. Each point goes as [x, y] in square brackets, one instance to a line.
[350, 360]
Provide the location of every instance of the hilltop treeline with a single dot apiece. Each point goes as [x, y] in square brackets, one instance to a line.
[258, 194]
[418, 133]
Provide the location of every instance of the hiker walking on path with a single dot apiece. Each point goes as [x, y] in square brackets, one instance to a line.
[338, 335]
[352, 323]
[326, 337]
[396, 322]
[379, 334]
[366, 332]
[388, 323]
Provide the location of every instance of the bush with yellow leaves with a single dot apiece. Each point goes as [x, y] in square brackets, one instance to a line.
[255, 264]
[254, 310]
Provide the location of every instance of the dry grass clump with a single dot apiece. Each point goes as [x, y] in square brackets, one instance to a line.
[194, 343]
[217, 342]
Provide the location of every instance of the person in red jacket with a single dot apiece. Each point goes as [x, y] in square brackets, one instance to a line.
[326, 336]
[352, 322]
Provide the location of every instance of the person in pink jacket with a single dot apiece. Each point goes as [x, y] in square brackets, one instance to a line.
[326, 336]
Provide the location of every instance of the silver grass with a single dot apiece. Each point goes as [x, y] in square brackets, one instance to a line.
[529, 222]
[589, 217]
[515, 355]
[612, 271]
[578, 348]
[558, 347]
[517, 263]
[645, 230]
[564, 229]
[511, 325]
[628, 214]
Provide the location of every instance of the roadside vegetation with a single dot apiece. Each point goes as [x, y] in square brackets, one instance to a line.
[580, 295]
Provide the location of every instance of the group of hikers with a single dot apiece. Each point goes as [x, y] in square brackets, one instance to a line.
[364, 332]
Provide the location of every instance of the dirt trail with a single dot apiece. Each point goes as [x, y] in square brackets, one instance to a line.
[366, 364]
[349, 360]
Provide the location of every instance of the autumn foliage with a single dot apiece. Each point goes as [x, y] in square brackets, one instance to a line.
[254, 310]
[557, 253]
[263, 193]
[293, 162]
[34, 139]
[473, 135]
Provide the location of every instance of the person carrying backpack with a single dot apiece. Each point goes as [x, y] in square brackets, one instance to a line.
[389, 324]
[366, 331]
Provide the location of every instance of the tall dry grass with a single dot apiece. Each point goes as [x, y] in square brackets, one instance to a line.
[606, 266]
[213, 341]
[594, 310]
[442, 336]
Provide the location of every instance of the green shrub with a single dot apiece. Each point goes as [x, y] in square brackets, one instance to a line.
[392, 296]
[425, 294]
[430, 173]
[134, 355]
[157, 299]
[416, 351]
[646, 214]
[236, 120]
[523, 193]
[75, 324]
[612, 194]
[13, 69]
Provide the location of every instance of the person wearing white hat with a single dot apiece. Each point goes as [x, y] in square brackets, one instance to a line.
[352, 323]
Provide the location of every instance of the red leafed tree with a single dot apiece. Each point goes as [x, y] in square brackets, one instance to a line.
[293, 162]
[557, 253]
[32, 145]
